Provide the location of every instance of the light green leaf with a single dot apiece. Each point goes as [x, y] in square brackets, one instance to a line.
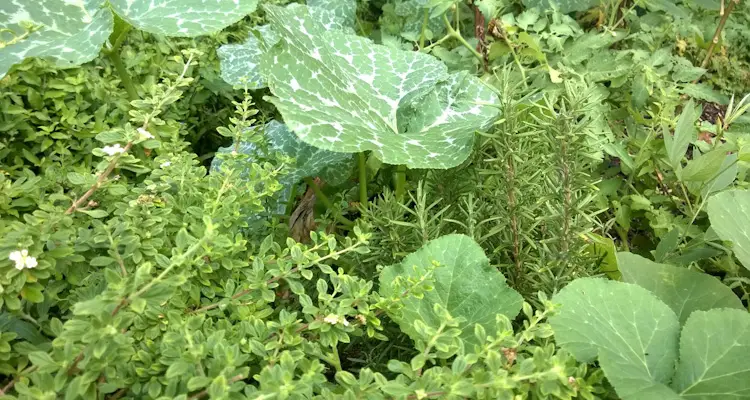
[565, 6]
[729, 213]
[633, 334]
[728, 172]
[464, 284]
[683, 290]
[715, 356]
[182, 17]
[684, 133]
[346, 94]
[70, 33]
[705, 166]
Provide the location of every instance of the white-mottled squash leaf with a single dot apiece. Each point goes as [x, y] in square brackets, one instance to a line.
[70, 33]
[729, 213]
[344, 93]
[632, 333]
[182, 17]
[334, 14]
[464, 284]
[239, 62]
[715, 356]
[332, 167]
[683, 290]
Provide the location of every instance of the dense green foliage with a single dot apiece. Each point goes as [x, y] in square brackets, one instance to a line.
[374, 199]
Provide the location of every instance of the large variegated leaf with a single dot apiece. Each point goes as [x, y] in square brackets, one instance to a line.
[239, 62]
[182, 17]
[464, 284]
[71, 33]
[334, 14]
[715, 356]
[683, 290]
[344, 93]
[332, 167]
[729, 213]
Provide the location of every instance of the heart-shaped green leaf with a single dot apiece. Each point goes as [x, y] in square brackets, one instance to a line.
[715, 356]
[633, 334]
[464, 284]
[683, 290]
[729, 213]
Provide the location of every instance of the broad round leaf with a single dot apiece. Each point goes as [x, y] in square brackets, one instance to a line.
[71, 33]
[729, 213]
[182, 17]
[633, 333]
[715, 356]
[464, 284]
[683, 290]
[344, 93]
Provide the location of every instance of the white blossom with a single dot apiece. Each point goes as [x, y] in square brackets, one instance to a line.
[22, 259]
[112, 150]
[144, 134]
[165, 164]
[332, 319]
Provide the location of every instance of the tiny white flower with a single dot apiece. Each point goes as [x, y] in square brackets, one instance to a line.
[332, 319]
[22, 259]
[165, 164]
[112, 150]
[144, 134]
[344, 321]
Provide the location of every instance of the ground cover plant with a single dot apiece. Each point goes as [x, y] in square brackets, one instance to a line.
[374, 199]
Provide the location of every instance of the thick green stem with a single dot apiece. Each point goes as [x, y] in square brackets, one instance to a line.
[400, 178]
[327, 203]
[118, 36]
[424, 28]
[362, 160]
[457, 35]
[290, 201]
[114, 55]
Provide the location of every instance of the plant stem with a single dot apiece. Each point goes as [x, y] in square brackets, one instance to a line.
[99, 180]
[362, 160]
[424, 27]
[614, 13]
[114, 55]
[456, 35]
[724, 13]
[327, 203]
[400, 181]
[290, 201]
